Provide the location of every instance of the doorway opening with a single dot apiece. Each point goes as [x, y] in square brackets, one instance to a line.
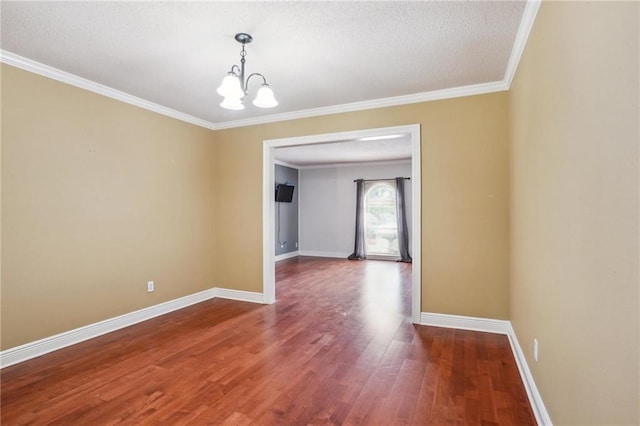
[268, 209]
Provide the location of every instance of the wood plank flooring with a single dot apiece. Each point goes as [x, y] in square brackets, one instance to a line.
[337, 348]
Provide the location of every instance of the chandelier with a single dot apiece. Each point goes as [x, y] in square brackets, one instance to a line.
[234, 86]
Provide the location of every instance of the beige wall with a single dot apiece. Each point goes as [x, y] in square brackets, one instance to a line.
[98, 197]
[465, 231]
[574, 175]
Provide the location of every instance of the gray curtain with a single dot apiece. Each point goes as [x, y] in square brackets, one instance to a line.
[358, 249]
[403, 231]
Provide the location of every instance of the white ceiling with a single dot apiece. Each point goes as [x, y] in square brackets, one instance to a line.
[314, 54]
[344, 152]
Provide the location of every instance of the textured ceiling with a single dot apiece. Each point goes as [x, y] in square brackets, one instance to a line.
[314, 54]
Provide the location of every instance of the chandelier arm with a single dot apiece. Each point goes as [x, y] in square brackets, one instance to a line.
[235, 70]
[246, 85]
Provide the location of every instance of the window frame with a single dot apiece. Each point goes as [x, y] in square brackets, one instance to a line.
[369, 186]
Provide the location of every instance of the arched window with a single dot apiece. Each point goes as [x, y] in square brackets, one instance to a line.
[380, 219]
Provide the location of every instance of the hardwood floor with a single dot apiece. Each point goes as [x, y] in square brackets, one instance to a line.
[337, 348]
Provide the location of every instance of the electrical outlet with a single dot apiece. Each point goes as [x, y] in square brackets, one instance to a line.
[296, 244]
[150, 286]
[535, 350]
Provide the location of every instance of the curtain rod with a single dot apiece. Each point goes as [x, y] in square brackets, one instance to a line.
[371, 180]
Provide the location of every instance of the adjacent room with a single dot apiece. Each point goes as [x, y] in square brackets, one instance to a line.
[316, 199]
[320, 213]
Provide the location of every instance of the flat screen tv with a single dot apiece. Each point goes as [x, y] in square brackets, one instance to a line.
[284, 193]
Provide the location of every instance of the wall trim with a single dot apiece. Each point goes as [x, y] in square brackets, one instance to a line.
[239, 295]
[539, 409]
[331, 254]
[288, 255]
[35, 67]
[524, 29]
[43, 346]
[268, 208]
[486, 325]
[434, 95]
[526, 24]
[40, 347]
[505, 327]
[74, 80]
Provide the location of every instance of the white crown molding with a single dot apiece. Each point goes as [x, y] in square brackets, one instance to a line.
[526, 24]
[456, 92]
[240, 295]
[73, 80]
[26, 64]
[40, 347]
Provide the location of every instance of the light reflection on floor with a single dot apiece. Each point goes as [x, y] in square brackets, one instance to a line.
[381, 296]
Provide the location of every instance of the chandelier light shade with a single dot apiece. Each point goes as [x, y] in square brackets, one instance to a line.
[265, 97]
[230, 87]
[232, 103]
[234, 87]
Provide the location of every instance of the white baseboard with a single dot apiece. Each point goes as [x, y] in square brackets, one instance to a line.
[34, 349]
[240, 295]
[333, 254]
[289, 255]
[465, 323]
[539, 410]
[40, 347]
[500, 327]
